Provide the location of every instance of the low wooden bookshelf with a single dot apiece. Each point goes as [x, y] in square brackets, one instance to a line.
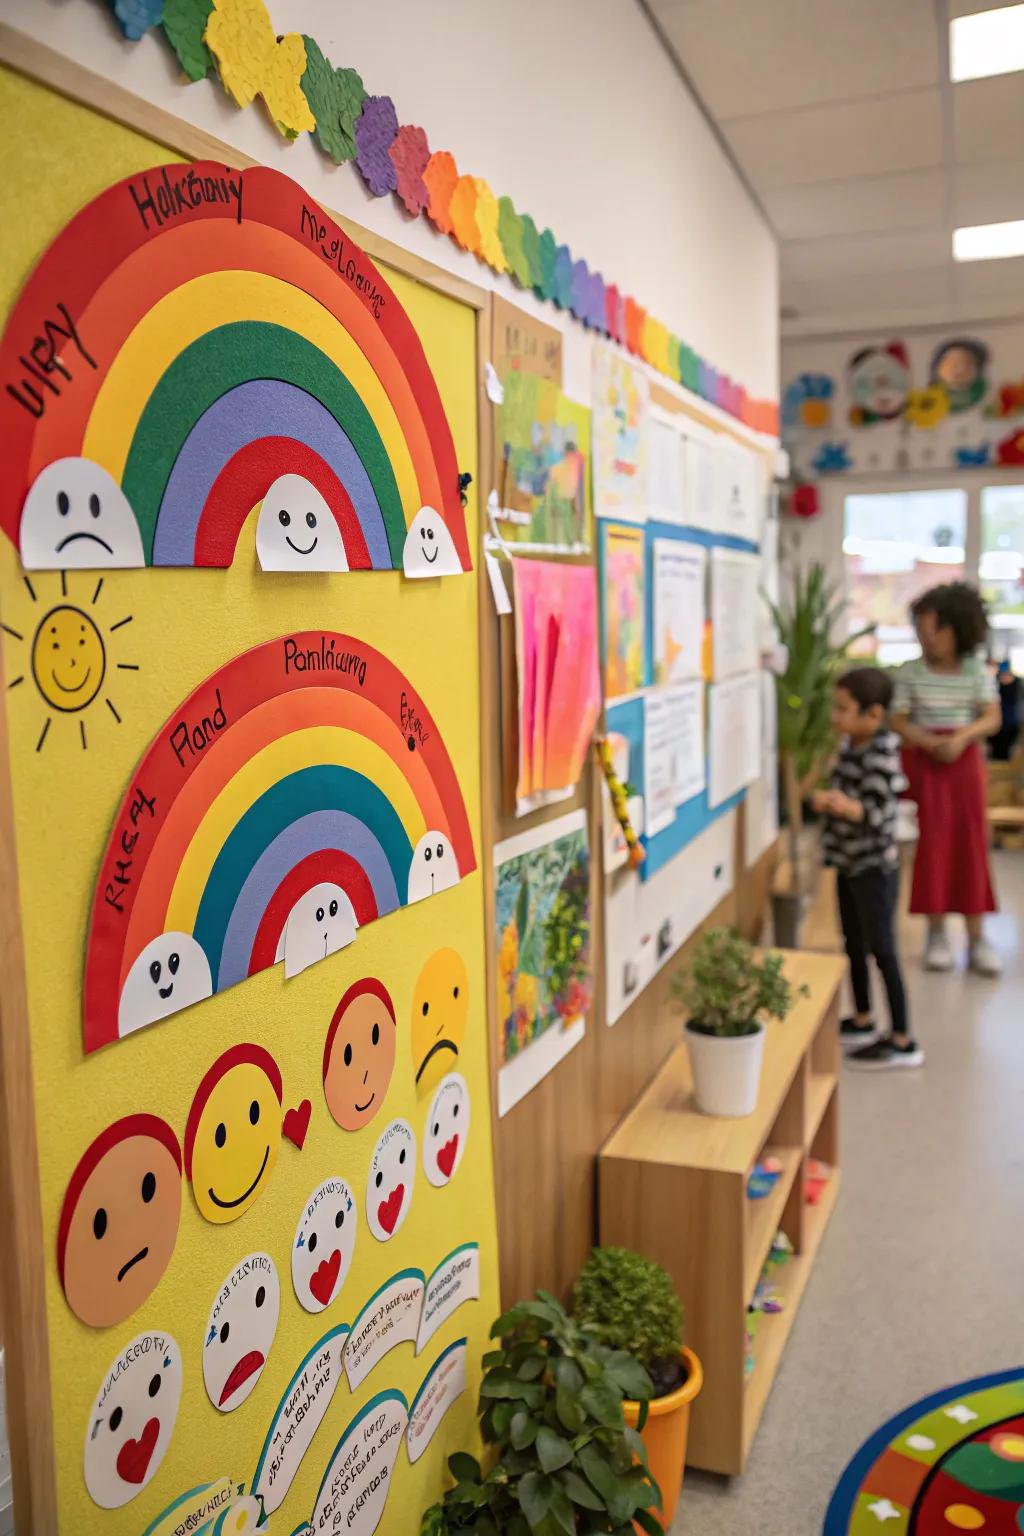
[673, 1185]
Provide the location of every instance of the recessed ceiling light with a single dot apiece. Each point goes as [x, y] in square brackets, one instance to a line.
[987, 43]
[988, 242]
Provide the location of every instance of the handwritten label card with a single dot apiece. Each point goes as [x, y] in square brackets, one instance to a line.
[390, 1317]
[455, 1280]
[358, 1477]
[298, 1417]
[443, 1384]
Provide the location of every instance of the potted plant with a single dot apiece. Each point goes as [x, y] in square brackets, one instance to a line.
[727, 991]
[561, 1458]
[628, 1302]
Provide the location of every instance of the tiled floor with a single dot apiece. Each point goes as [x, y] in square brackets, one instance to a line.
[920, 1279]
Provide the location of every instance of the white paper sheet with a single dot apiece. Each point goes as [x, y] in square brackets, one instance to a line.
[701, 484]
[666, 479]
[734, 712]
[686, 734]
[678, 578]
[739, 493]
[659, 788]
[734, 604]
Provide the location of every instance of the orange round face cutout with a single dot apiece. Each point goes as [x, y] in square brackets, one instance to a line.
[359, 1055]
[119, 1222]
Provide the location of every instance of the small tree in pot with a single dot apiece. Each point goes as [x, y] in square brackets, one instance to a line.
[726, 992]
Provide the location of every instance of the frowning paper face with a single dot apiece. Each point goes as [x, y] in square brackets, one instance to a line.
[440, 1004]
[240, 1331]
[171, 973]
[76, 517]
[390, 1183]
[132, 1419]
[446, 1130]
[296, 529]
[325, 1241]
[320, 923]
[433, 866]
[429, 547]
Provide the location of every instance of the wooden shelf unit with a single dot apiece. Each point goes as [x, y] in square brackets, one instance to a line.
[673, 1186]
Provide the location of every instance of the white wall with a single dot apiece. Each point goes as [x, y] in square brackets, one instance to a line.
[569, 107]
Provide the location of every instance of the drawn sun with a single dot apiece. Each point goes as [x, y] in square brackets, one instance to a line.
[69, 653]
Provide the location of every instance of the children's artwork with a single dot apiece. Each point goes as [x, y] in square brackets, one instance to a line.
[199, 340]
[734, 732]
[390, 1180]
[620, 426]
[542, 914]
[542, 459]
[959, 367]
[307, 757]
[446, 1130]
[558, 679]
[678, 572]
[623, 590]
[240, 1331]
[325, 1242]
[129, 1430]
[877, 382]
[735, 604]
[523, 343]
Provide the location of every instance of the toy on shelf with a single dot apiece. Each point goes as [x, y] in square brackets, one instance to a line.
[816, 1180]
[763, 1178]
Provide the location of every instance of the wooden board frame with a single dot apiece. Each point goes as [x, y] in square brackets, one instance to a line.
[23, 1326]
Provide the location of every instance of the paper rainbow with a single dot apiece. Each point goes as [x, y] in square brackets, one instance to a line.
[308, 759]
[197, 332]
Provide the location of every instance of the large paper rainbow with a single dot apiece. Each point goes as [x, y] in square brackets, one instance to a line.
[197, 332]
[306, 760]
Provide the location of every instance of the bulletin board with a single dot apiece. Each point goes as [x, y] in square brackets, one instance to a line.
[163, 728]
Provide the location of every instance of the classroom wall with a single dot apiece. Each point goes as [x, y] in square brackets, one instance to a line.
[571, 109]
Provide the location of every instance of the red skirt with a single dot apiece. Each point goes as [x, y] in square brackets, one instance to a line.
[951, 872]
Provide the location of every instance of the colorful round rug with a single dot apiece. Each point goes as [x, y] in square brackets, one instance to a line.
[953, 1462]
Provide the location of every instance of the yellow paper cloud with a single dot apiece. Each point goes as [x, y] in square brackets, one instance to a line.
[490, 249]
[251, 62]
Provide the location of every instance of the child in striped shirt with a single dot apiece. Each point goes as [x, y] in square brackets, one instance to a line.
[944, 704]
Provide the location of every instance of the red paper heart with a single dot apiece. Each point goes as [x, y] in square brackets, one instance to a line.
[324, 1279]
[134, 1457]
[446, 1156]
[296, 1123]
[389, 1209]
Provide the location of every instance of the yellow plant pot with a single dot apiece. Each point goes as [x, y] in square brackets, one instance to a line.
[664, 1434]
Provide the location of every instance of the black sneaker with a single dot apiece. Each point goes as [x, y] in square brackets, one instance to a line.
[885, 1056]
[853, 1035]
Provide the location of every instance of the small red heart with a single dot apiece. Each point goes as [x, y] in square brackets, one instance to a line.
[323, 1281]
[389, 1209]
[446, 1156]
[296, 1123]
[135, 1455]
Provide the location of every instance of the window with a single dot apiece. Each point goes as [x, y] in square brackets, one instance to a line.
[895, 546]
[1001, 568]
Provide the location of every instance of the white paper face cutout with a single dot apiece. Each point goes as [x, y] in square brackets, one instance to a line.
[296, 529]
[433, 866]
[390, 1183]
[325, 1240]
[132, 1419]
[320, 923]
[429, 547]
[171, 973]
[240, 1331]
[446, 1130]
[76, 517]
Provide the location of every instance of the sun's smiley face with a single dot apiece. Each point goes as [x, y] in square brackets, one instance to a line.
[234, 1132]
[69, 661]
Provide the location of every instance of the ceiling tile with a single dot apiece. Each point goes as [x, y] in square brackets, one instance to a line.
[848, 139]
[989, 191]
[850, 256]
[1002, 280]
[859, 206]
[988, 118]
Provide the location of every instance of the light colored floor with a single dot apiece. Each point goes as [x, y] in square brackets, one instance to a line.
[920, 1279]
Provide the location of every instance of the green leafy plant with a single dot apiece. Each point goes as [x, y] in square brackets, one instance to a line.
[629, 1302]
[728, 987]
[561, 1460]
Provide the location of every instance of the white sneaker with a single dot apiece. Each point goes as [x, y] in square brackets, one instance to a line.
[938, 956]
[983, 960]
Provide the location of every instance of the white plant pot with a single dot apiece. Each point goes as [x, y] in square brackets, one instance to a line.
[726, 1071]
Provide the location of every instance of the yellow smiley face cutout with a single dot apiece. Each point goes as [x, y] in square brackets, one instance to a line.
[234, 1132]
[68, 658]
[440, 1005]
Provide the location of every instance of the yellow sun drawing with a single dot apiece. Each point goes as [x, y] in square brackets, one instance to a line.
[70, 651]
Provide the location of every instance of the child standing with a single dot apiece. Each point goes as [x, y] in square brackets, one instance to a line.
[944, 704]
[859, 842]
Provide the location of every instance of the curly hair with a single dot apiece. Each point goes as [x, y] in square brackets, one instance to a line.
[958, 606]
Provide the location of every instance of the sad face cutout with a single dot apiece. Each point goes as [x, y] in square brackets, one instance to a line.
[440, 1004]
[446, 1130]
[390, 1184]
[132, 1419]
[429, 549]
[296, 529]
[320, 923]
[433, 866]
[325, 1241]
[359, 1054]
[76, 517]
[240, 1331]
[119, 1222]
[233, 1132]
[171, 973]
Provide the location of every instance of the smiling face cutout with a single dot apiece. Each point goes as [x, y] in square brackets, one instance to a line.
[390, 1183]
[119, 1222]
[429, 547]
[446, 1130]
[320, 923]
[132, 1419]
[76, 517]
[233, 1132]
[69, 660]
[440, 1003]
[325, 1240]
[359, 1054]
[296, 529]
[433, 868]
[240, 1331]
[171, 973]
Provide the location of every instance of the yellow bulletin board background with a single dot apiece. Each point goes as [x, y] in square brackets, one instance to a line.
[184, 625]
